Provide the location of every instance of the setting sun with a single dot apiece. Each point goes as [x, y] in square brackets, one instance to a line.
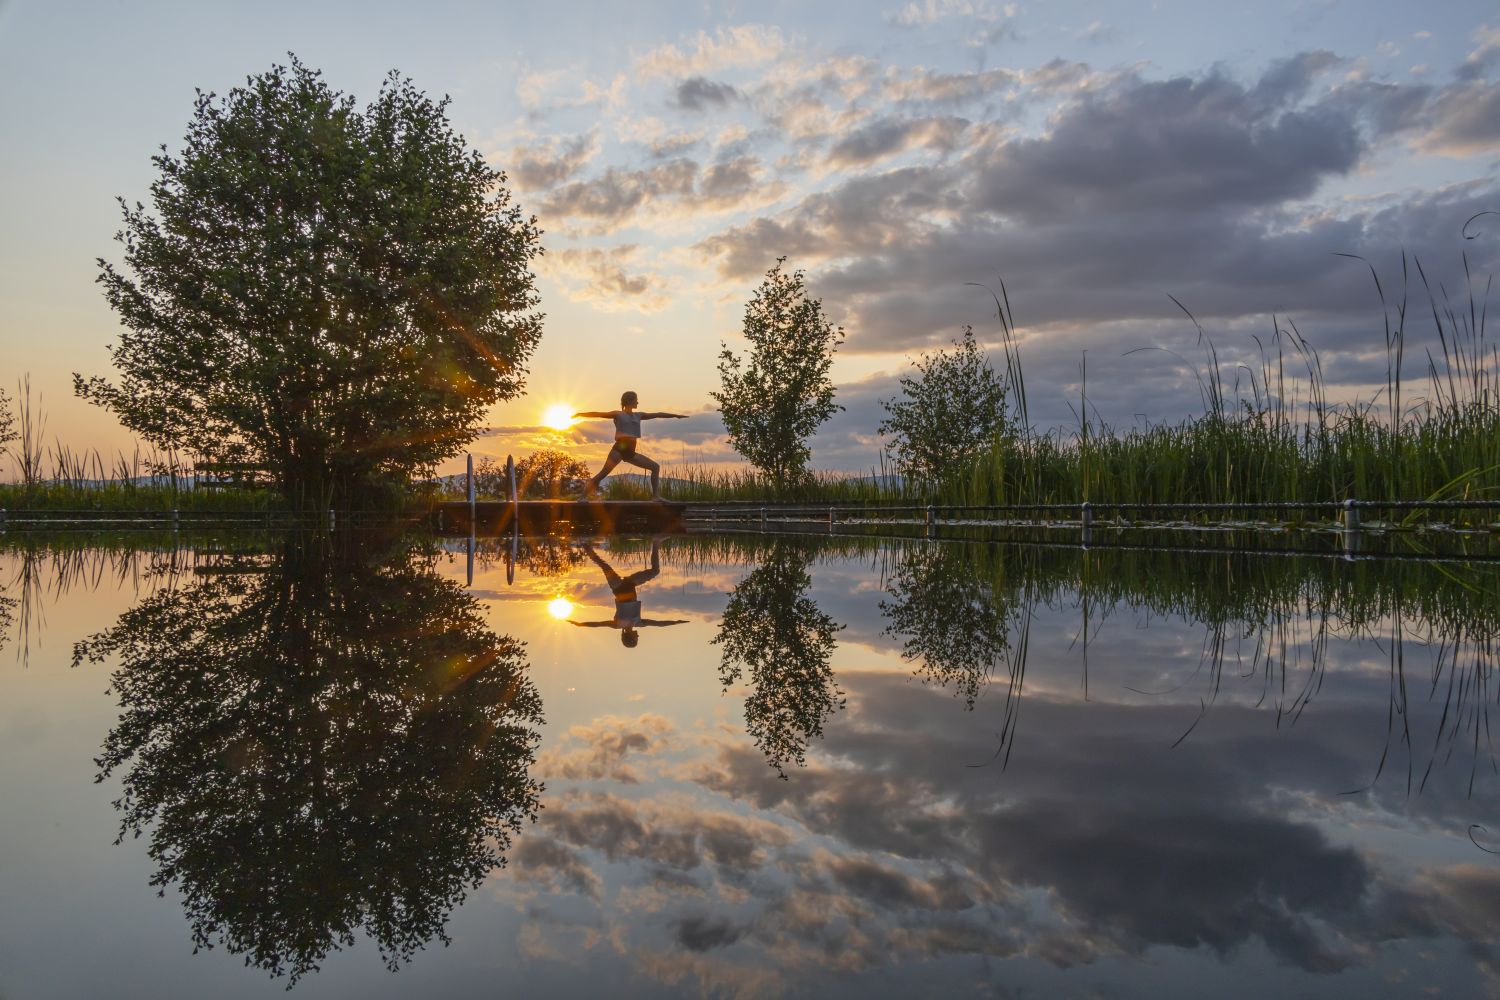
[559, 608]
[559, 416]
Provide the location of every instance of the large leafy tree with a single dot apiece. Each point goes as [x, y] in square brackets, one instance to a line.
[948, 413]
[776, 397]
[334, 293]
[327, 743]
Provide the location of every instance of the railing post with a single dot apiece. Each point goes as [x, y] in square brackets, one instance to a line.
[1351, 515]
[2, 518]
[515, 497]
[332, 519]
[831, 516]
[469, 489]
[174, 519]
[1086, 514]
[762, 519]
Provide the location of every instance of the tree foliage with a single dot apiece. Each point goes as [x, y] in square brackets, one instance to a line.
[948, 414]
[333, 293]
[7, 424]
[327, 743]
[775, 632]
[548, 473]
[776, 397]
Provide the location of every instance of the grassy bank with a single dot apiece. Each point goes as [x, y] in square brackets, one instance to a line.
[63, 496]
[1268, 431]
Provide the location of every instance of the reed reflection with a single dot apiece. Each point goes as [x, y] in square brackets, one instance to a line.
[326, 744]
[772, 630]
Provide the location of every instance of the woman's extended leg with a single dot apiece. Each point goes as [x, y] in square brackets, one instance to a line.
[609, 463]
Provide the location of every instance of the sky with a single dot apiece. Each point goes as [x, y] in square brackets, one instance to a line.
[1095, 157]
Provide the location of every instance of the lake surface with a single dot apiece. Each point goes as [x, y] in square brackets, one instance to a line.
[836, 766]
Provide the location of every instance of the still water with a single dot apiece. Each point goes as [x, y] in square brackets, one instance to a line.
[742, 765]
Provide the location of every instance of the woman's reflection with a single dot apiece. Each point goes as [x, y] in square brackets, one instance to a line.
[627, 617]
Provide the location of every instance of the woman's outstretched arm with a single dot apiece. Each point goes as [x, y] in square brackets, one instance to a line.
[653, 416]
[596, 414]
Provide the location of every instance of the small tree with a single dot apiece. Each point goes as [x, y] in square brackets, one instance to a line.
[947, 415]
[336, 294]
[546, 473]
[774, 400]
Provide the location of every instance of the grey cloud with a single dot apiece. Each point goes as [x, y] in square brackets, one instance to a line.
[704, 932]
[1466, 119]
[1177, 145]
[1289, 79]
[730, 180]
[549, 163]
[613, 198]
[617, 193]
[600, 749]
[890, 136]
[698, 93]
[540, 860]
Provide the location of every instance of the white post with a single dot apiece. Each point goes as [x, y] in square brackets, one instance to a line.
[469, 490]
[515, 499]
[1351, 515]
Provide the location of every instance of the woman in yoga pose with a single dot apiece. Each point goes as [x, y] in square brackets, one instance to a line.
[627, 432]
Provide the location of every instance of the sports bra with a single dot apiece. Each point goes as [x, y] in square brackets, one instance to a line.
[627, 424]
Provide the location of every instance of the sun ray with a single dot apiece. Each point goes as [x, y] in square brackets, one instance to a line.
[558, 416]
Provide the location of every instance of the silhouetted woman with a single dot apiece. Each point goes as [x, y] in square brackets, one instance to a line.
[627, 433]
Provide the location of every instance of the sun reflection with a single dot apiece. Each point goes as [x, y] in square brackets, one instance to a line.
[558, 416]
[560, 608]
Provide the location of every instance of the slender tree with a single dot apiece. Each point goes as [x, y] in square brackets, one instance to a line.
[775, 633]
[7, 424]
[948, 413]
[774, 399]
[334, 293]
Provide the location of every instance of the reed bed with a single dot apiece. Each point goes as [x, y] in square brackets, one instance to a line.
[1268, 433]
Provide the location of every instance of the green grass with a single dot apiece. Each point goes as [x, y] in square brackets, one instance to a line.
[1268, 432]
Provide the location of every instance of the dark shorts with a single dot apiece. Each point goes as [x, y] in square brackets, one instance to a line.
[624, 451]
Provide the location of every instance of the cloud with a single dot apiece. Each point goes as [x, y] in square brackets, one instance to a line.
[599, 750]
[734, 47]
[678, 188]
[888, 137]
[928, 12]
[547, 863]
[1202, 187]
[600, 276]
[549, 162]
[698, 93]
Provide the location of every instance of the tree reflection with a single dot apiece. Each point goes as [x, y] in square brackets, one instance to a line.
[951, 622]
[333, 744]
[775, 632]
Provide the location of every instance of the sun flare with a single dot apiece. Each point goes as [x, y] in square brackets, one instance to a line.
[559, 416]
[560, 608]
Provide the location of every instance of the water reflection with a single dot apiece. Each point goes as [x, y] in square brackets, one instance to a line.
[774, 632]
[628, 614]
[327, 743]
[1233, 769]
